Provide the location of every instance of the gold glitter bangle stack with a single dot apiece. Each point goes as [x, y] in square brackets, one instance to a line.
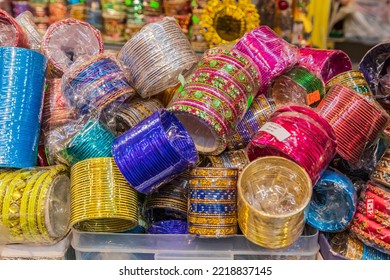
[273, 193]
[230, 159]
[102, 200]
[381, 174]
[35, 204]
[212, 203]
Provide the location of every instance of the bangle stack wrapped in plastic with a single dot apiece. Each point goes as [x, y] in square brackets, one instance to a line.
[333, 203]
[154, 152]
[12, 34]
[94, 140]
[96, 83]
[22, 77]
[256, 116]
[156, 56]
[299, 134]
[67, 40]
[273, 193]
[212, 203]
[272, 55]
[371, 221]
[298, 86]
[26, 21]
[356, 121]
[35, 204]
[325, 63]
[169, 227]
[230, 159]
[215, 98]
[102, 200]
[381, 174]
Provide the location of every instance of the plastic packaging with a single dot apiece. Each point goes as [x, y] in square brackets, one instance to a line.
[255, 117]
[230, 159]
[156, 56]
[298, 86]
[35, 204]
[96, 83]
[22, 76]
[381, 174]
[112, 207]
[333, 202]
[224, 21]
[273, 193]
[324, 63]
[215, 98]
[158, 148]
[26, 21]
[272, 55]
[356, 121]
[12, 35]
[169, 227]
[212, 202]
[299, 134]
[66, 41]
[371, 221]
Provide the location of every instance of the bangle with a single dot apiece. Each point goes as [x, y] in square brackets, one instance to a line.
[26, 21]
[12, 34]
[231, 159]
[168, 227]
[210, 231]
[354, 80]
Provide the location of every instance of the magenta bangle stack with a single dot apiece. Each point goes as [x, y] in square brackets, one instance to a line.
[272, 55]
[215, 98]
[356, 121]
[325, 63]
[299, 134]
[11, 35]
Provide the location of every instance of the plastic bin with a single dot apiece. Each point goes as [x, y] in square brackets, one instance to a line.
[103, 246]
[326, 251]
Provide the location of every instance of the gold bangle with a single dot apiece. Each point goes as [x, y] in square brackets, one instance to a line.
[205, 172]
[212, 231]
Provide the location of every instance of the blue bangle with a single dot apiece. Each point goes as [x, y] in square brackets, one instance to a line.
[169, 227]
[154, 152]
[213, 208]
[215, 195]
[333, 202]
[22, 78]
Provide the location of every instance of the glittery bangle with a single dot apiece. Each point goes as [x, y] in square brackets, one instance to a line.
[168, 227]
[214, 221]
[12, 34]
[210, 194]
[216, 231]
[231, 159]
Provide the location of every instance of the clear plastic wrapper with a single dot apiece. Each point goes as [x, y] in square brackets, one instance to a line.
[35, 204]
[333, 202]
[96, 83]
[158, 148]
[212, 202]
[324, 63]
[298, 86]
[230, 159]
[26, 21]
[12, 35]
[272, 55]
[356, 121]
[381, 174]
[66, 41]
[169, 227]
[215, 97]
[156, 56]
[273, 193]
[22, 77]
[371, 222]
[102, 200]
[299, 134]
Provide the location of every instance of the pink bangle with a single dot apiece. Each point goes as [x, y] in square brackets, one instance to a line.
[12, 34]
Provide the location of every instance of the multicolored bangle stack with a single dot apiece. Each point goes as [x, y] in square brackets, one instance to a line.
[94, 140]
[155, 151]
[96, 84]
[333, 203]
[169, 227]
[22, 77]
[26, 21]
[35, 204]
[11, 33]
[381, 174]
[82, 39]
[258, 113]
[371, 223]
[212, 204]
[215, 98]
[272, 55]
[299, 134]
[325, 63]
[298, 86]
[156, 56]
[273, 193]
[112, 207]
[230, 159]
[356, 128]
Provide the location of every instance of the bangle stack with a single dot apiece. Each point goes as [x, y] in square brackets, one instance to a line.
[215, 98]
[26, 21]
[273, 193]
[381, 174]
[102, 200]
[11, 32]
[154, 152]
[212, 204]
[230, 159]
[299, 134]
[168, 227]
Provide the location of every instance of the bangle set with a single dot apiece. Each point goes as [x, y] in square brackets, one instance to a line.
[381, 174]
[12, 33]
[168, 227]
[26, 21]
[230, 159]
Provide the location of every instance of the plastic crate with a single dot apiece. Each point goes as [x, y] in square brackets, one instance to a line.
[326, 250]
[103, 246]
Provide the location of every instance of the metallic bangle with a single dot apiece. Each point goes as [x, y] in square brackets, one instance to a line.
[214, 172]
[216, 231]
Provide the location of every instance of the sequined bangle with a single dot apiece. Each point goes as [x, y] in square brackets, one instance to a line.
[168, 227]
[213, 194]
[214, 173]
[214, 221]
[231, 159]
[216, 231]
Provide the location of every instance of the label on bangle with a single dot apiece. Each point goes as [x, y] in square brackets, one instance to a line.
[313, 97]
[370, 208]
[276, 130]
